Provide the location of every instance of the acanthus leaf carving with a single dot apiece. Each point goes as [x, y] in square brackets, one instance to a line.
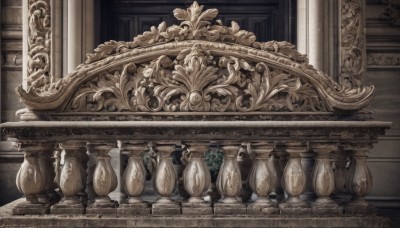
[197, 81]
[196, 67]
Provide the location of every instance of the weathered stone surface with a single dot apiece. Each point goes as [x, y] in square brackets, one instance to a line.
[165, 209]
[194, 221]
[196, 209]
[30, 209]
[229, 209]
[74, 209]
[134, 209]
[261, 209]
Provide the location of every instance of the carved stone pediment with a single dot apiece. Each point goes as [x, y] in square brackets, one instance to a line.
[196, 67]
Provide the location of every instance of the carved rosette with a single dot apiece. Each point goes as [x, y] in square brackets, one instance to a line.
[229, 180]
[39, 45]
[196, 176]
[199, 67]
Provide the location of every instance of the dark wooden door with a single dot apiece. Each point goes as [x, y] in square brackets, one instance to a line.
[125, 19]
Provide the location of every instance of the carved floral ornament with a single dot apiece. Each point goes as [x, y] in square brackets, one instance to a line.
[197, 67]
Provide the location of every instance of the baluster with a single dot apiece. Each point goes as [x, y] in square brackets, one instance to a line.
[197, 180]
[29, 179]
[92, 153]
[229, 183]
[340, 194]
[104, 182]
[134, 180]
[165, 181]
[323, 182]
[83, 159]
[262, 180]
[359, 179]
[49, 195]
[308, 162]
[294, 181]
[70, 180]
[280, 161]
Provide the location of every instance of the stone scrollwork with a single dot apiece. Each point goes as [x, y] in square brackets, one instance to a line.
[352, 52]
[39, 44]
[196, 67]
[197, 81]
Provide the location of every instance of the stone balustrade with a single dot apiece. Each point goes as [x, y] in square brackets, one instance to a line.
[278, 164]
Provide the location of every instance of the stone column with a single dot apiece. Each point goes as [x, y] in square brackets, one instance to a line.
[165, 181]
[71, 179]
[262, 180]
[318, 33]
[359, 179]
[134, 180]
[294, 181]
[30, 180]
[197, 180]
[323, 182]
[229, 182]
[104, 181]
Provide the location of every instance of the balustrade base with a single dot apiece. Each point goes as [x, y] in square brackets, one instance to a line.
[196, 208]
[67, 209]
[173, 208]
[300, 208]
[134, 209]
[26, 208]
[359, 209]
[104, 208]
[326, 210]
[230, 208]
[261, 209]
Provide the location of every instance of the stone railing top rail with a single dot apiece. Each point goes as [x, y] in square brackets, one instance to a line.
[194, 67]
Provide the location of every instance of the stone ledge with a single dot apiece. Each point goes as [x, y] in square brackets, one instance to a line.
[192, 221]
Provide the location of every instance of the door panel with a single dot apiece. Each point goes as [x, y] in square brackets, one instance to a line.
[125, 19]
